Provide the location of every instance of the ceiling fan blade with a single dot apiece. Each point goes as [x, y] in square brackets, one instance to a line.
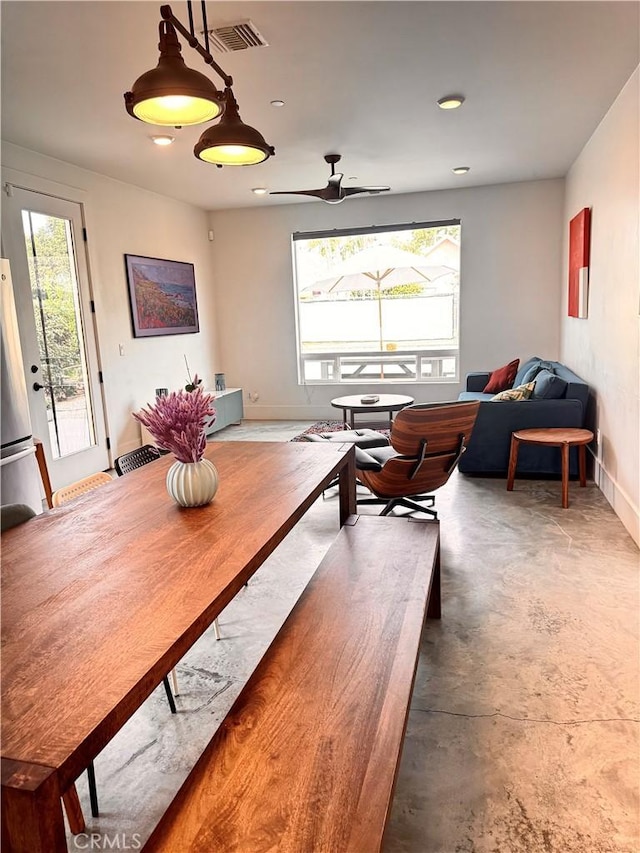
[334, 192]
[316, 193]
[330, 194]
[356, 190]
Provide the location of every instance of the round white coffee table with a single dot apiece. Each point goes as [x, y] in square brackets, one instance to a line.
[353, 405]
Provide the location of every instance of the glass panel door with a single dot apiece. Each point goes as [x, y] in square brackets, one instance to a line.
[43, 238]
[59, 329]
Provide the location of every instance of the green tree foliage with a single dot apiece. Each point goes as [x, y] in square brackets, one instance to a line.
[417, 241]
[54, 305]
[398, 291]
[340, 248]
[422, 239]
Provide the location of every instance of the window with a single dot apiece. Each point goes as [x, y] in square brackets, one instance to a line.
[378, 304]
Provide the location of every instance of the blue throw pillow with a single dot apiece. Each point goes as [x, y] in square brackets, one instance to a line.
[549, 386]
[534, 361]
[535, 369]
[530, 374]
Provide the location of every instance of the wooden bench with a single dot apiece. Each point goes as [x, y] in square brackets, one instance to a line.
[306, 760]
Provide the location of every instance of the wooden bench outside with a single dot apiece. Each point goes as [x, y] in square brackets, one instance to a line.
[306, 760]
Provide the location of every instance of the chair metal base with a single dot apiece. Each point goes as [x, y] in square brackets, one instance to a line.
[91, 771]
[93, 790]
[409, 503]
[167, 688]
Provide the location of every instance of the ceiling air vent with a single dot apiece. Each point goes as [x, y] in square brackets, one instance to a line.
[238, 36]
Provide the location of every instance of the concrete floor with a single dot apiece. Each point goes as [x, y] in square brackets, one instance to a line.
[523, 730]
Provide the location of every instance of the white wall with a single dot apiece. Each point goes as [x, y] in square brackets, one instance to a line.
[604, 349]
[510, 286]
[513, 287]
[123, 219]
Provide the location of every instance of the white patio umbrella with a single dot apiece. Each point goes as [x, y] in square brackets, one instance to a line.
[377, 268]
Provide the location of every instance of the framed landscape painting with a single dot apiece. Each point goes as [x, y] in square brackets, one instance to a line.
[162, 295]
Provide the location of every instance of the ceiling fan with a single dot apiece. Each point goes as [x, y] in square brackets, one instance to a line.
[334, 192]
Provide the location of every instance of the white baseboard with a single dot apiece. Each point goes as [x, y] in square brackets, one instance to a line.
[621, 502]
[258, 412]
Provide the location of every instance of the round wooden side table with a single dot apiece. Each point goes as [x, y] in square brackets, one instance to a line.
[565, 438]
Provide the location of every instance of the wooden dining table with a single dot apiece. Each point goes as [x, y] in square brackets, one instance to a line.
[103, 596]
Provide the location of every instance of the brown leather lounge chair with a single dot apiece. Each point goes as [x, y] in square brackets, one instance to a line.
[426, 443]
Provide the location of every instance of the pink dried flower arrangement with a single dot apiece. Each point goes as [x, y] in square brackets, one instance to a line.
[178, 421]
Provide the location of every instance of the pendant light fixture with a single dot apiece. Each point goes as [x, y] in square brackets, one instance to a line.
[171, 94]
[174, 95]
[231, 142]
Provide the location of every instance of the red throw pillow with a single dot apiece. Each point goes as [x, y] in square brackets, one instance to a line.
[502, 378]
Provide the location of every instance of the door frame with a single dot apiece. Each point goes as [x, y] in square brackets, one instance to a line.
[16, 179]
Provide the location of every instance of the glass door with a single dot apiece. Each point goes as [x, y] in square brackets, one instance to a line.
[44, 239]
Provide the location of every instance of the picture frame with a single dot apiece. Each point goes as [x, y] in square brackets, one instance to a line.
[579, 250]
[162, 296]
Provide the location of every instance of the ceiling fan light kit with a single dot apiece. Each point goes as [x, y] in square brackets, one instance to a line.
[334, 192]
[173, 95]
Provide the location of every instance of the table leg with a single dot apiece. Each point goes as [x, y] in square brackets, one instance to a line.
[352, 419]
[565, 475]
[32, 820]
[347, 486]
[582, 459]
[513, 461]
[73, 809]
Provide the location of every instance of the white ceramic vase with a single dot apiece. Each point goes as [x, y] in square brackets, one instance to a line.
[192, 483]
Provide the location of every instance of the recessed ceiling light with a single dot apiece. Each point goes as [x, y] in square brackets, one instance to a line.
[460, 170]
[450, 102]
[277, 103]
[259, 190]
[163, 140]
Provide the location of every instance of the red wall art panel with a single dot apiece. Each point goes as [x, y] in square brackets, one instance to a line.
[579, 239]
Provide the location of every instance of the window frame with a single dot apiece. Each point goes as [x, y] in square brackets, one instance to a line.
[425, 361]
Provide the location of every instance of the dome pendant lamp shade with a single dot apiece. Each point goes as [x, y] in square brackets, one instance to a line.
[231, 142]
[173, 94]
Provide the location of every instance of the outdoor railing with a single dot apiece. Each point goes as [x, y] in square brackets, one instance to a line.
[428, 365]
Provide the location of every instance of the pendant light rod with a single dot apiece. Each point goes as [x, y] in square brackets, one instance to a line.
[167, 15]
[191, 26]
[204, 23]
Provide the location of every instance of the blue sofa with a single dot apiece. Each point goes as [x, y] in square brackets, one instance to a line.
[488, 450]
